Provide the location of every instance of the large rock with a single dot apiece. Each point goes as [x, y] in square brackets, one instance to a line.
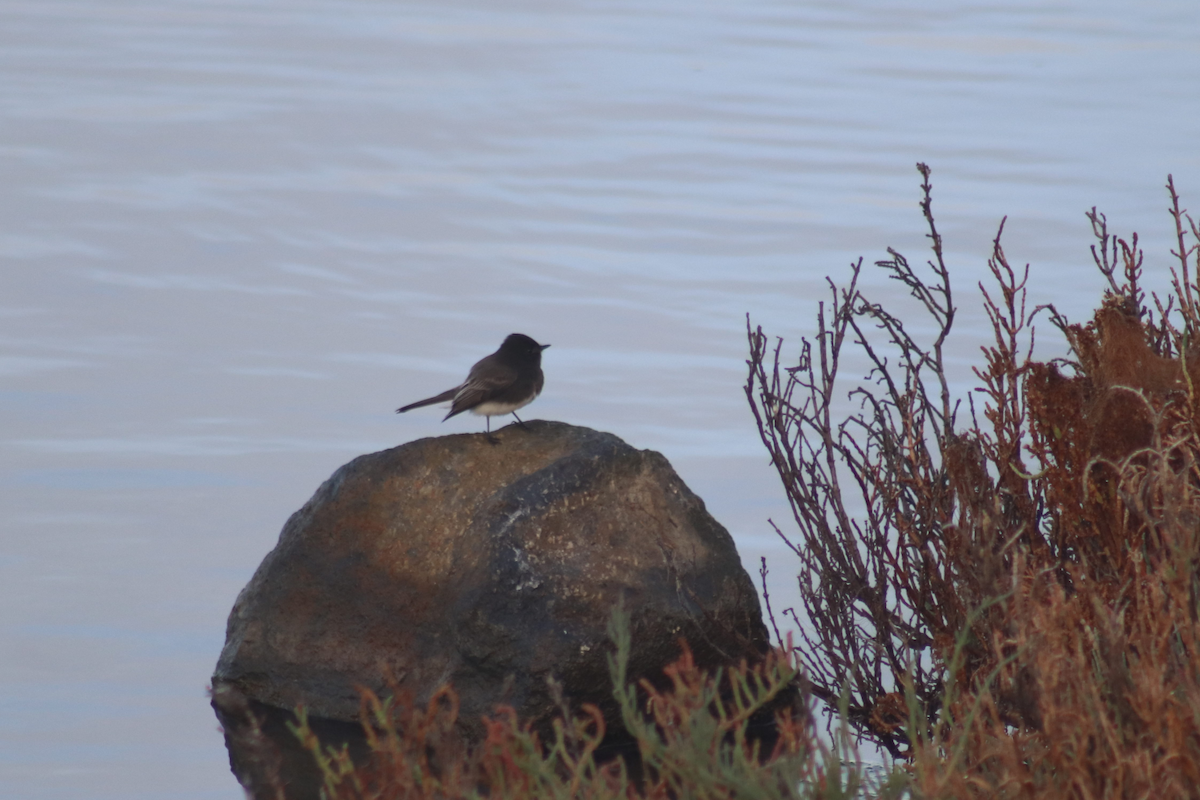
[489, 567]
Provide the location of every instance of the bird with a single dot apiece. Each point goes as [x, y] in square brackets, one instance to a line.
[499, 384]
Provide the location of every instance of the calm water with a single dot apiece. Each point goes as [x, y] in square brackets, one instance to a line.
[235, 236]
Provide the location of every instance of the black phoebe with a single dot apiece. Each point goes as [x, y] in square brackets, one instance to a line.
[508, 379]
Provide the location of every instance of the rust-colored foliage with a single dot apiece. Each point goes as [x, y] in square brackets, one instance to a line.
[693, 735]
[1101, 633]
[1127, 406]
[1012, 605]
[415, 752]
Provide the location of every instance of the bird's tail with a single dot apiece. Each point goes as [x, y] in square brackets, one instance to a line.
[428, 401]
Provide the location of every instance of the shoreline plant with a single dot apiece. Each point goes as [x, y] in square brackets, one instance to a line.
[1010, 605]
[694, 739]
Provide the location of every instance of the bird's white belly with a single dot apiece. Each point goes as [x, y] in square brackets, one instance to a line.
[494, 409]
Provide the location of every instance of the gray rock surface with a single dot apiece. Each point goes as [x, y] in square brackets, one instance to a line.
[490, 567]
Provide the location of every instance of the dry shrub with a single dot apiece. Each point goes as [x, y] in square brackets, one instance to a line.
[694, 738]
[414, 751]
[1118, 708]
[1102, 632]
[1011, 605]
[884, 537]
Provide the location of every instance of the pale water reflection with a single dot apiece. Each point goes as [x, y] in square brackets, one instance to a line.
[235, 236]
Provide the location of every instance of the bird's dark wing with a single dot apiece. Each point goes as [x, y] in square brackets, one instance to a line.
[428, 401]
[481, 388]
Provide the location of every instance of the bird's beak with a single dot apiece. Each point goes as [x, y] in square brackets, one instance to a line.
[543, 346]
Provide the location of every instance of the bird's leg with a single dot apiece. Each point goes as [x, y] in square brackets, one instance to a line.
[491, 439]
[519, 422]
